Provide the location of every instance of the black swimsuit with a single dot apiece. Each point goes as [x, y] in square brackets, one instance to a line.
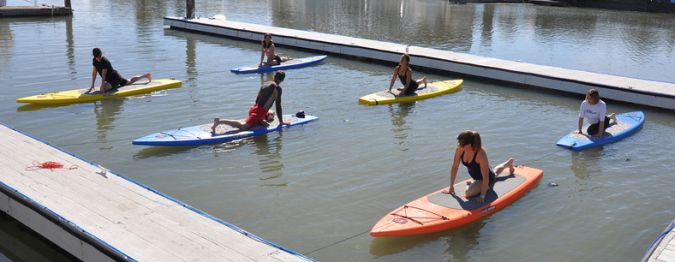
[474, 170]
[413, 84]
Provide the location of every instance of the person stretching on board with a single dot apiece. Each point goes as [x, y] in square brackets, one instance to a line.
[110, 79]
[594, 109]
[268, 50]
[472, 155]
[404, 74]
[269, 93]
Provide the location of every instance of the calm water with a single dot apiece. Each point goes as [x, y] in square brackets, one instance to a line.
[318, 189]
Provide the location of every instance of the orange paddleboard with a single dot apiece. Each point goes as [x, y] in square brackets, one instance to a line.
[437, 211]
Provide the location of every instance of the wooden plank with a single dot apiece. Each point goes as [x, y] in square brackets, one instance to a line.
[116, 212]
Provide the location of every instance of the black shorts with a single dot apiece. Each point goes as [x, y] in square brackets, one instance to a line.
[277, 59]
[413, 87]
[116, 81]
[593, 129]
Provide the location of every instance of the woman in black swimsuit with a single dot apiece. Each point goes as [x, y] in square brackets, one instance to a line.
[472, 155]
[404, 74]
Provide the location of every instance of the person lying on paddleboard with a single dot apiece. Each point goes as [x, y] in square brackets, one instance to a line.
[472, 155]
[404, 74]
[269, 93]
[594, 109]
[110, 79]
[268, 50]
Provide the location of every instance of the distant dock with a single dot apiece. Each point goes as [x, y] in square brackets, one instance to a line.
[21, 11]
[96, 215]
[630, 90]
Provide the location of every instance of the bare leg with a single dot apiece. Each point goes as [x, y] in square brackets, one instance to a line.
[422, 80]
[233, 123]
[105, 87]
[136, 78]
[473, 189]
[508, 164]
[612, 116]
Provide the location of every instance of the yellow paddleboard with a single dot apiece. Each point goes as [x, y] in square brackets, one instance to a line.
[432, 89]
[78, 95]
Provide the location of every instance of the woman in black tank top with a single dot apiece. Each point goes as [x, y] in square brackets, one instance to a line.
[404, 74]
[268, 50]
[471, 154]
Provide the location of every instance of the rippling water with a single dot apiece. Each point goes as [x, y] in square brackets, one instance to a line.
[319, 188]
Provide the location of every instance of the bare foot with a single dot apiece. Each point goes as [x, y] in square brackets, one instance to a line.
[612, 116]
[509, 164]
[149, 77]
[424, 80]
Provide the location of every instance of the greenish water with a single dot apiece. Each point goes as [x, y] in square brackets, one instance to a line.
[318, 189]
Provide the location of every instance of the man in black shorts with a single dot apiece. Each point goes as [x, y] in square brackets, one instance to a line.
[110, 79]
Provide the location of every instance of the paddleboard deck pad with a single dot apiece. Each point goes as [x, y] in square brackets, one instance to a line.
[201, 134]
[432, 90]
[289, 64]
[79, 95]
[438, 211]
[627, 124]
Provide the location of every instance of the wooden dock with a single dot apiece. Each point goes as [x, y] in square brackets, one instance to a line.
[663, 247]
[19, 11]
[631, 90]
[100, 216]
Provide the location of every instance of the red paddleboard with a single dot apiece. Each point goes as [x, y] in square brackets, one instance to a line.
[437, 211]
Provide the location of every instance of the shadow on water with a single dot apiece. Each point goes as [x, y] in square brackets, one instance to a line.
[459, 242]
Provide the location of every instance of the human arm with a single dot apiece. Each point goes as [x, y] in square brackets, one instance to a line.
[601, 120]
[485, 171]
[278, 108]
[453, 172]
[93, 79]
[103, 75]
[393, 78]
[581, 124]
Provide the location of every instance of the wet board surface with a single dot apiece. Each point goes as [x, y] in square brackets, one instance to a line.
[438, 211]
[201, 134]
[627, 124]
[289, 64]
[433, 89]
[79, 95]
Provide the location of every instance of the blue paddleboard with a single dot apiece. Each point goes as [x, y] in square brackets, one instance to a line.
[627, 124]
[201, 134]
[289, 64]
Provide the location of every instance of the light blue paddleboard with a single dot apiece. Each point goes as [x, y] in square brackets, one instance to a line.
[201, 134]
[289, 64]
[627, 124]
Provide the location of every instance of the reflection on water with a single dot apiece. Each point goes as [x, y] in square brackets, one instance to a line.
[586, 163]
[398, 114]
[459, 242]
[269, 159]
[106, 112]
[18, 243]
[70, 48]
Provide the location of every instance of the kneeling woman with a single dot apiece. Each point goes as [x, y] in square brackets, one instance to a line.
[472, 155]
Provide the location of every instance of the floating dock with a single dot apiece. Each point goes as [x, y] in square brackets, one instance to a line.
[96, 215]
[44, 10]
[636, 91]
[663, 247]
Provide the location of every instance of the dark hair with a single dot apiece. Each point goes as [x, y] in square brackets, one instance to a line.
[594, 94]
[279, 76]
[265, 45]
[407, 58]
[96, 52]
[469, 137]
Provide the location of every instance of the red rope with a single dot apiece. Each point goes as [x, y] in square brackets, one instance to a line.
[51, 165]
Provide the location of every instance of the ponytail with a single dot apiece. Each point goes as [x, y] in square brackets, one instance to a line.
[469, 137]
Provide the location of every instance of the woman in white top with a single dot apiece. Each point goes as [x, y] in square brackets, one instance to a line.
[594, 109]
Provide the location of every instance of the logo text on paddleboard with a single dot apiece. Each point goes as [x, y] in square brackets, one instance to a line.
[487, 209]
[400, 220]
